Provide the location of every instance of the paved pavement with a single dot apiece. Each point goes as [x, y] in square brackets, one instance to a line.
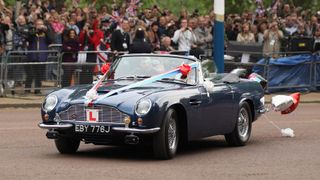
[29, 101]
[27, 154]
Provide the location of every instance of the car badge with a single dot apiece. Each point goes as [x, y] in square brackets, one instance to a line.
[74, 116]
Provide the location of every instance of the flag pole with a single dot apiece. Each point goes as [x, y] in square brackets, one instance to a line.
[218, 42]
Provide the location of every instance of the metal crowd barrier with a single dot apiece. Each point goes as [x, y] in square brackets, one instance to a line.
[58, 71]
[317, 75]
[2, 57]
[20, 75]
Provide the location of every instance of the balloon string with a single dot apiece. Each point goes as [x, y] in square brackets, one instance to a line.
[271, 122]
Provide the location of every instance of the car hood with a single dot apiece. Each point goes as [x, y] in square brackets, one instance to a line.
[124, 101]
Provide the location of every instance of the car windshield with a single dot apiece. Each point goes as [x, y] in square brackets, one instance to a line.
[144, 66]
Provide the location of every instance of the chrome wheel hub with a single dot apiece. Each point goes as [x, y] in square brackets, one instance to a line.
[243, 123]
[172, 134]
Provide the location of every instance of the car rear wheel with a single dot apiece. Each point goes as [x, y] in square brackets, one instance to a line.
[242, 131]
[67, 145]
[165, 142]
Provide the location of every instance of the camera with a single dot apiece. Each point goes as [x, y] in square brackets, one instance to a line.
[105, 20]
[91, 32]
[41, 29]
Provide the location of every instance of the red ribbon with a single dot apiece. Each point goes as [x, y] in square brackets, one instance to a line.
[105, 68]
[184, 69]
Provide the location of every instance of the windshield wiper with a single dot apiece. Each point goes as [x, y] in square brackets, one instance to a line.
[173, 80]
[133, 77]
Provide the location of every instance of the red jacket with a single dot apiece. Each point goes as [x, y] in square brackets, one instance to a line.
[92, 40]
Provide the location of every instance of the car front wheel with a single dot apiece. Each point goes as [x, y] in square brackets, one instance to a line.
[242, 131]
[67, 145]
[165, 142]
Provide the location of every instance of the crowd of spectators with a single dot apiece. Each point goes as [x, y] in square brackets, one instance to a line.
[111, 27]
[115, 26]
[275, 26]
[35, 24]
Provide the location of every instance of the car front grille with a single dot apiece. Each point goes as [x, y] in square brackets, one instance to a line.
[107, 114]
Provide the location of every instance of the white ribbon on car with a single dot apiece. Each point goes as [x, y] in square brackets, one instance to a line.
[92, 94]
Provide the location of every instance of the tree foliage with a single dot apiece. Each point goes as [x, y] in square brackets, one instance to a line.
[204, 6]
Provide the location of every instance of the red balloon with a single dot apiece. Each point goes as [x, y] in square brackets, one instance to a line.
[296, 100]
[184, 69]
[105, 68]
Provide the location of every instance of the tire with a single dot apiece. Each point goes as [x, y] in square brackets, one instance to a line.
[67, 145]
[242, 131]
[165, 142]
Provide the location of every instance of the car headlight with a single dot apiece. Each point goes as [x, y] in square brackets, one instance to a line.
[143, 107]
[50, 103]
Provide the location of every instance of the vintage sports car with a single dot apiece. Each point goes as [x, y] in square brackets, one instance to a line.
[148, 98]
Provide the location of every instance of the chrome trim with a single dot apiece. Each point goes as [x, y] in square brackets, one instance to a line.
[87, 122]
[55, 126]
[138, 131]
[80, 111]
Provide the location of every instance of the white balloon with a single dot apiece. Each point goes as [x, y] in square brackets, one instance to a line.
[281, 102]
[288, 132]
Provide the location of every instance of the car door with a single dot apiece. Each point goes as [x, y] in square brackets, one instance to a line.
[218, 109]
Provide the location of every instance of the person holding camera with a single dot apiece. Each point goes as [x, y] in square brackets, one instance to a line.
[184, 37]
[272, 40]
[21, 34]
[204, 36]
[90, 38]
[39, 40]
[139, 43]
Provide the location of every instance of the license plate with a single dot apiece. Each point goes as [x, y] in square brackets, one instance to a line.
[91, 128]
[92, 115]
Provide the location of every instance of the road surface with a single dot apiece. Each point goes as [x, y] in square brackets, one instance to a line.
[25, 153]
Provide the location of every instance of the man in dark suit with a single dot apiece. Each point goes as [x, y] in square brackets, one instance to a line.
[120, 40]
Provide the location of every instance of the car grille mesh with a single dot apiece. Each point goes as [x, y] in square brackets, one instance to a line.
[107, 114]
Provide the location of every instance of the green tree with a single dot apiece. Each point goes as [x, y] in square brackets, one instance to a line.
[204, 6]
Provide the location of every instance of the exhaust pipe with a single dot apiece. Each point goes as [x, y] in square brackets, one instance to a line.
[131, 139]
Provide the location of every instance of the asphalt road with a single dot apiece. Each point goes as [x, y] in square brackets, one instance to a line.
[25, 153]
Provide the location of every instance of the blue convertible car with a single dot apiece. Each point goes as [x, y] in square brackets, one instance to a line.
[144, 98]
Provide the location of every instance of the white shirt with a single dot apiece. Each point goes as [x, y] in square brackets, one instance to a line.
[184, 39]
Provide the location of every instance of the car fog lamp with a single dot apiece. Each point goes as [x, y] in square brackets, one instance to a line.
[46, 117]
[140, 121]
[126, 120]
[143, 107]
[50, 103]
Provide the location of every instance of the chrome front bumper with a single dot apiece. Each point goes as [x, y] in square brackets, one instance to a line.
[55, 126]
[65, 126]
[136, 131]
